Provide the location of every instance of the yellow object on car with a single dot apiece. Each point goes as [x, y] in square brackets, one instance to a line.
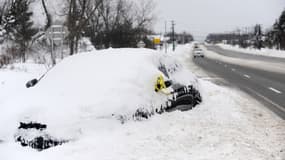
[160, 84]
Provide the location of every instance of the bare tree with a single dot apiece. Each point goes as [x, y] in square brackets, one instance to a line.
[116, 23]
[106, 11]
[2, 10]
[144, 13]
[48, 16]
[124, 22]
[79, 13]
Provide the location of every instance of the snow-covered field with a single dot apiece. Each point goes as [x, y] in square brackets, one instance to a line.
[77, 106]
[263, 51]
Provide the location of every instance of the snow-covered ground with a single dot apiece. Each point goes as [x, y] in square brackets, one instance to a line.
[272, 67]
[263, 51]
[227, 125]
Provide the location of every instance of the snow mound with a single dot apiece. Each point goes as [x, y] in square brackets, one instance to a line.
[227, 125]
[263, 51]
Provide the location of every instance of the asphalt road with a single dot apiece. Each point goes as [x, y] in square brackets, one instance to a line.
[235, 54]
[266, 87]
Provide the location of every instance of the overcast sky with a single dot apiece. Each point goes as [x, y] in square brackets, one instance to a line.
[201, 17]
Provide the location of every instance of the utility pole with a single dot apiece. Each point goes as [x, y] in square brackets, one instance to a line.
[52, 48]
[183, 38]
[165, 42]
[173, 35]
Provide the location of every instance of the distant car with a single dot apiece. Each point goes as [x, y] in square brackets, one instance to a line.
[198, 53]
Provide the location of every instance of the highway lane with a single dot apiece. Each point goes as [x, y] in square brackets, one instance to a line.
[235, 54]
[265, 86]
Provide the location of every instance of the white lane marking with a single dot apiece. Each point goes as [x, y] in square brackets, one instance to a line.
[268, 100]
[211, 78]
[247, 76]
[275, 90]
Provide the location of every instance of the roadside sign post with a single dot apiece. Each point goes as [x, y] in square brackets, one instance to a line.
[56, 35]
[52, 53]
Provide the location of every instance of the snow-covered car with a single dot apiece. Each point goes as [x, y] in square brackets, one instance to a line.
[197, 52]
[87, 90]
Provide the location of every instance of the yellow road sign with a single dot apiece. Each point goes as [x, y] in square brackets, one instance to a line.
[156, 40]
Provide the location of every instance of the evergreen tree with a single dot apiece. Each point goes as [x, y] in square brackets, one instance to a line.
[276, 35]
[258, 36]
[281, 30]
[19, 25]
[10, 21]
[269, 39]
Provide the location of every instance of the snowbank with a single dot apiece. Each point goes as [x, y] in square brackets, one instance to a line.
[263, 51]
[227, 125]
